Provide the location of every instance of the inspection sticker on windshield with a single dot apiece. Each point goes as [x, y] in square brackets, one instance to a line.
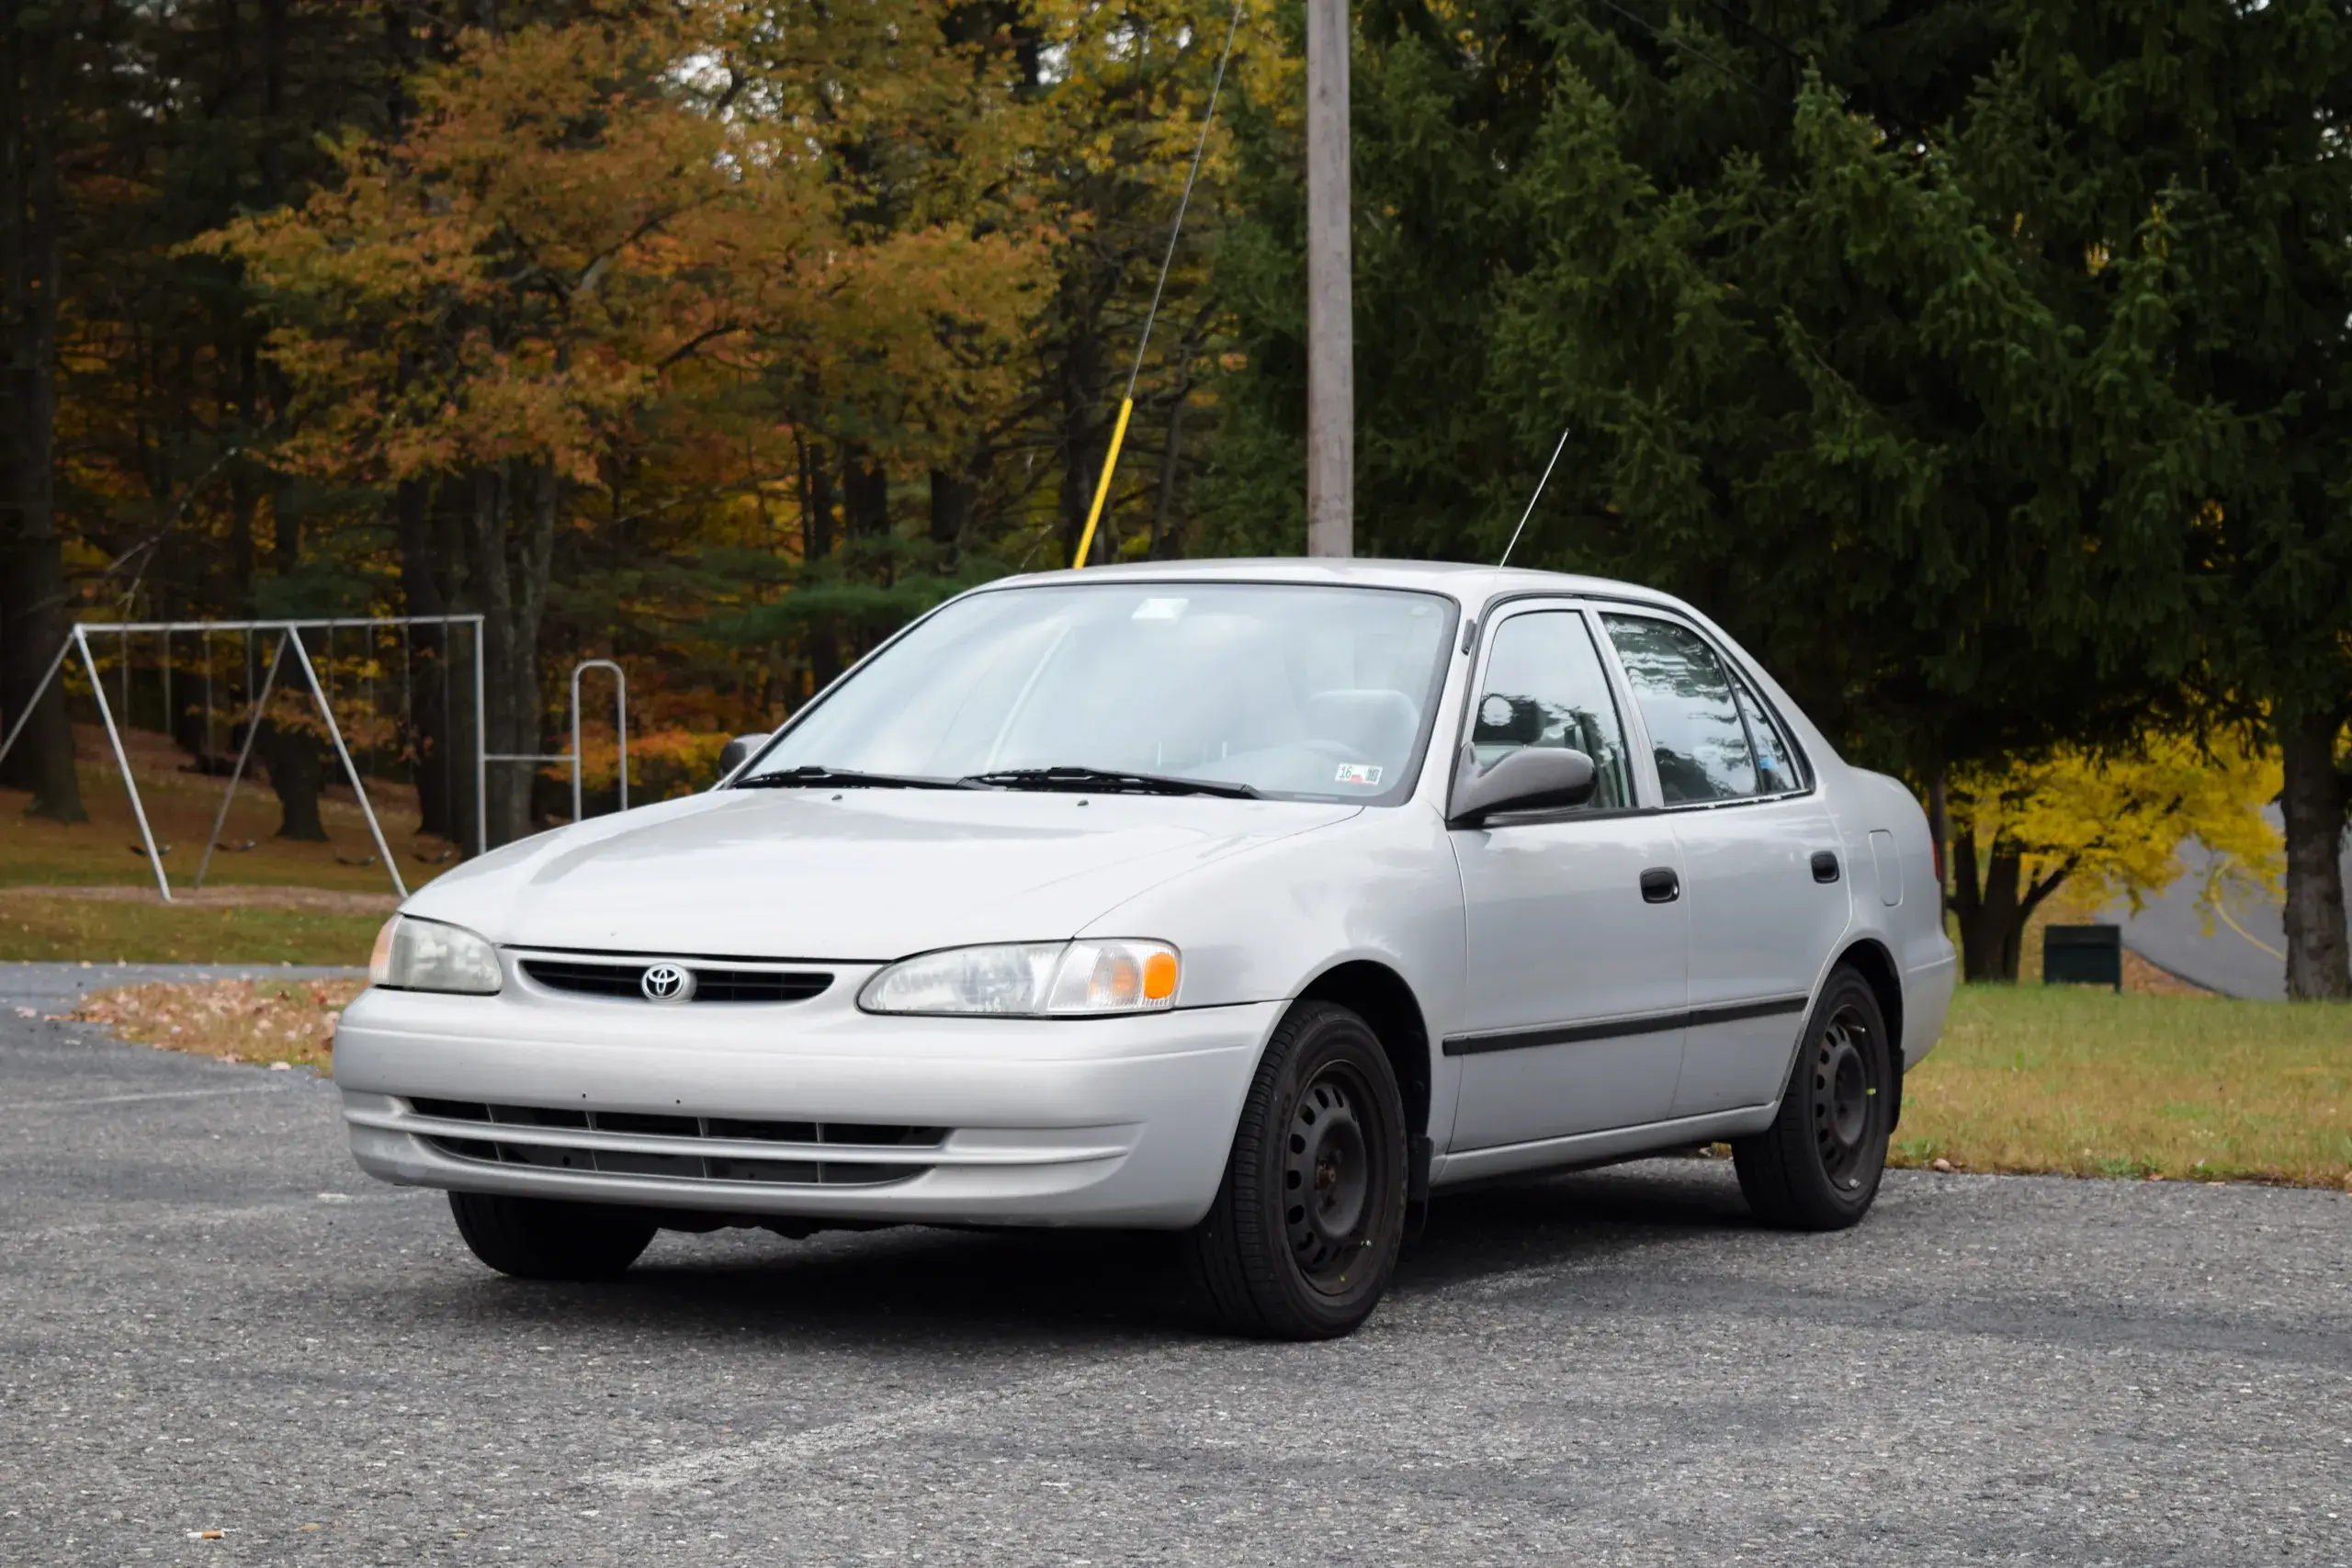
[1359, 774]
[1159, 610]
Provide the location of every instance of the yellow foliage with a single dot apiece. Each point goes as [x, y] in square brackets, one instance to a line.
[2111, 824]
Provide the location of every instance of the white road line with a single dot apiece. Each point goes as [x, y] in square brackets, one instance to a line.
[152, 1094]
[733, 1461]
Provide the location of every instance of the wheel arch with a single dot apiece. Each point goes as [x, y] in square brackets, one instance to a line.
[1871, 960]
[1385, 1000]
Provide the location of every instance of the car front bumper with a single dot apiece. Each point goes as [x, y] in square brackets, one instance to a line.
[1098, 1121]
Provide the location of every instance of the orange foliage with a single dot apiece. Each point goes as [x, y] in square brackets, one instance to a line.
[583, 219]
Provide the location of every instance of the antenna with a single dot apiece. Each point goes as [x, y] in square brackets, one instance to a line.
[1534, 499]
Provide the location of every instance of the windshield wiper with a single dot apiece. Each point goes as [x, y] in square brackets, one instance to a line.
[816, 776]
[1067, 777]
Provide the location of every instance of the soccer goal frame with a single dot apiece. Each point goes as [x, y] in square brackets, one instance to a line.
[288, 635]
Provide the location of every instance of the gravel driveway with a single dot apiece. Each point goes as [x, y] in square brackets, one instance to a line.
[211, 1322]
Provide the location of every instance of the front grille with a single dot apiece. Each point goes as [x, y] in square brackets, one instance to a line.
[798, 1162]
[713, 983]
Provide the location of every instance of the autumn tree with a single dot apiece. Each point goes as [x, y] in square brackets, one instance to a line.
[490, 313]
[2103, 825]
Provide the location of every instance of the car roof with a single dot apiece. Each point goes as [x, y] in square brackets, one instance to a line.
[1472, 584]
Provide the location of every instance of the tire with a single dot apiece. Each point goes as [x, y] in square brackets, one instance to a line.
[539, 1238]
[1303, 1233]
[1817, 1167]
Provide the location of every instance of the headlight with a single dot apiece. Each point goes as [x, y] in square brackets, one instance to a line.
[1030, 979]
[426, 955]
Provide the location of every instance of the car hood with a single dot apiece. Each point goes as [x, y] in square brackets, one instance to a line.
[848, 874]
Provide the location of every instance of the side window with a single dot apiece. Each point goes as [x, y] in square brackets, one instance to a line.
[1686, 702]
[1776, 763]
[1546, 686]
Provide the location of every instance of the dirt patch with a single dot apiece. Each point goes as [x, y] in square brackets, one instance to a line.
[317, 900]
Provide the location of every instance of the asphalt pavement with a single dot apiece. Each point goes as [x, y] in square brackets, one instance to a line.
[211, 1321]
[2238, 949]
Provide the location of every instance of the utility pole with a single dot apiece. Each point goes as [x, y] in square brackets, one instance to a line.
[1330, 289]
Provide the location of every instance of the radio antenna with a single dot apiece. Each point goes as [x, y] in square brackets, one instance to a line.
[1532, 500]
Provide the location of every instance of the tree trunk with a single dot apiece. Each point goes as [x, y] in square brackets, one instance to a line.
[953, 496]
[865, 496]
[509, 709]
[426, 721]
[1171, 454]
[511, 559]
[818, 637]
[1940, 832]
[1985, 901]
[295, 758]
[32, 566]
[2314, 799]
[1992, 905]
[1085, 436]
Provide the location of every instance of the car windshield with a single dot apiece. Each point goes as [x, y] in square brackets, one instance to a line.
[1299, 692]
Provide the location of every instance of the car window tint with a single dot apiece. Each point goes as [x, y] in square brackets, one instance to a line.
[1544, 686]
[1776, 767]
[1686, 702]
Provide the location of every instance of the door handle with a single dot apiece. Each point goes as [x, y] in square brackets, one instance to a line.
[1660, 885]
[1824, 865]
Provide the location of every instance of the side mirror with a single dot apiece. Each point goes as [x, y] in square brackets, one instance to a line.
[733, 755]
[1535, 778]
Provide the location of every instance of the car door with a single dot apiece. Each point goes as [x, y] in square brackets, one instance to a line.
[1573, 1016]
[1763, 874]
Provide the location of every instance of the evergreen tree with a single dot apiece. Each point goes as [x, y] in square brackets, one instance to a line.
[1916, 344]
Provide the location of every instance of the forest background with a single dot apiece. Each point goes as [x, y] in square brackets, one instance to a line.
[1981, 363]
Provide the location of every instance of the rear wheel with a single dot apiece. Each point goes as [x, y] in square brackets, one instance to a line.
[1817, 1167]
[1303, 1233]
[539, 1238]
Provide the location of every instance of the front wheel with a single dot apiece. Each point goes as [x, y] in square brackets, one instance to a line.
[541, 1239]
[1303, 1233]
[1817, 1167]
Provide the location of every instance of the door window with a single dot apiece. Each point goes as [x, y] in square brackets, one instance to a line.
[1775, 764]
[1686, 702]
[1546, 686]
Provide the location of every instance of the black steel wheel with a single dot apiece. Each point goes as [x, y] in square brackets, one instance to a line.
[1305, 1231]
[1844, 1085]
[1817, 1167]
[539, 1238]
[1329, 1174]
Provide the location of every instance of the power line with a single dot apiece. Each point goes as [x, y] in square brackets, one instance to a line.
[1700, 55]
[1175, 229]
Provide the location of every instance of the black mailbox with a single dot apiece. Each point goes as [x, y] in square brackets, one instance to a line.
[2082, 956]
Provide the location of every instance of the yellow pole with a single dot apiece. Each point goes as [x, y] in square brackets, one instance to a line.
[1103, 486]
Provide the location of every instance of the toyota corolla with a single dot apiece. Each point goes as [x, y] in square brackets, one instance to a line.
[1252, 901]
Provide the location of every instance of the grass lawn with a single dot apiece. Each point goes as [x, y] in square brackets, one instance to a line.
[2084, 1082]
[104, 854]
[68, 931]
[180, 807]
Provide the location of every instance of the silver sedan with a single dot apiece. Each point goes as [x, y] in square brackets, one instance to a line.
[1249, 900]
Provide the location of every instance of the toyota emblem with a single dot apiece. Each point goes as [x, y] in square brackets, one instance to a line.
[667, 983]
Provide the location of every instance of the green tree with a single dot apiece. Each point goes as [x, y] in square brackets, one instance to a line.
[2184, 163]
[1913, 344]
